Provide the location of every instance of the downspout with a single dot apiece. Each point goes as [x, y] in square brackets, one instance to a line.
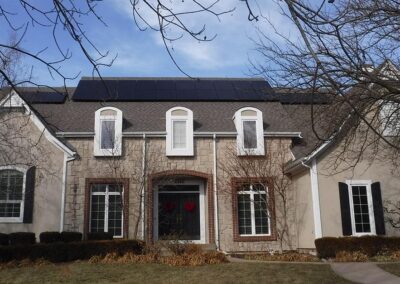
[143, 184]
[64, 189]
[215, 192]
[315, 198]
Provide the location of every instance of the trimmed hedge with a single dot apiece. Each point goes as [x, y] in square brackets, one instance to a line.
[22, 238]
[99, 236]
[63, 252]
[68, 237]
[50, 237]
[4, 239]
[328, 247]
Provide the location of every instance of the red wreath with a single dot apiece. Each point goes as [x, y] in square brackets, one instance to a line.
[169, 206]
[189, 206]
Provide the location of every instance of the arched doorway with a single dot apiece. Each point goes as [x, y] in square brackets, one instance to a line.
[181, 207]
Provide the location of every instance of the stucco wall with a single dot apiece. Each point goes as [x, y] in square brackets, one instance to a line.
[30, 147]
[329, 191]
[129, 165]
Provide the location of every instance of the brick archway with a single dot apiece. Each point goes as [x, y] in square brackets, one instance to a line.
[174, 173]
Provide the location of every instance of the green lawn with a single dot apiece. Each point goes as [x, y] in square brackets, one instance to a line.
[156, 273]
[393, 268]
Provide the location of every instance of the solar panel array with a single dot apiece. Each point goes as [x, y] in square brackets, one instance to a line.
[174, 90]
[43, 97]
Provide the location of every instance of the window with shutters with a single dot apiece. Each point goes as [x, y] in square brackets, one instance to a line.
[179, 127]
[106, 209]
[250, 131]
[108, 132]
[361, 207]
[12, 189]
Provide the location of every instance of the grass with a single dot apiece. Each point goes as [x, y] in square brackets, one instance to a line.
[393, 268]
[83, 272]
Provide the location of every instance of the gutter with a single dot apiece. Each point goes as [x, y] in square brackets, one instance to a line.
[143, 185]
[64, 188]
[140, 134]
[216, 220]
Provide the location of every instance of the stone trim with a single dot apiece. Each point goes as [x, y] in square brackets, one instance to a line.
[235, 186]
[125, 184]
[150, 199]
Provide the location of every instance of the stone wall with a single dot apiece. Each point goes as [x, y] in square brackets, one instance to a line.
[129, 165]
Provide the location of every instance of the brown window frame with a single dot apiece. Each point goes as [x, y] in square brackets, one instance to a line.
[236, 185]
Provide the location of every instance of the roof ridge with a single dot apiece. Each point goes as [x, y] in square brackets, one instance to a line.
[176, 78]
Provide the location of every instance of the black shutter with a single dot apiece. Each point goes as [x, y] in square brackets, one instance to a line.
[345, 209]
[29, 195]
[378, 208]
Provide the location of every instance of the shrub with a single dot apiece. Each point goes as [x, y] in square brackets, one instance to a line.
[4, 239]
[354, 256]
[99, 236]
[50, 237]
[62, 252]
[67, 237]
[329, 247]
[22, 238]
[193, 259]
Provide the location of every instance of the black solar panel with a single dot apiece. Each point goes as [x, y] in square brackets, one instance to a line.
[166, 89]
[225, 91]
[186, 89]
[43, 97]
[145, 90]
[126, 90]
[172, 90]
[206, 90]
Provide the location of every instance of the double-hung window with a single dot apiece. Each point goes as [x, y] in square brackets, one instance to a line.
[11, 195]
[250, 131]
[253, 211]
[106, 209]
[179, 127]
[361, 207]
[108, 132]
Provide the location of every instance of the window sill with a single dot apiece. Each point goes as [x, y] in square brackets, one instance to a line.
[5, 220]
[254, 238]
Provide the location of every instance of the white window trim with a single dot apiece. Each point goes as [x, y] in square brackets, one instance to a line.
[117, 150]
[106, 201]
[258, 118]
[188, 151]
[367, 183]
[19, 219]
[252, 210]
[202, 203]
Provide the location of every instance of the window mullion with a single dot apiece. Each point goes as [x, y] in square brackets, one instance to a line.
[106, 210]
[253, 219]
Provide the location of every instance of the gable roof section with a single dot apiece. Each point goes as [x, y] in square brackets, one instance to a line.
[12, 99]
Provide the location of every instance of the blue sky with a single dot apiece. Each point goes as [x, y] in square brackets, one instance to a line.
[142, 53]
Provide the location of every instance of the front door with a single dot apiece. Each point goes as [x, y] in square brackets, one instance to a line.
[180, 209]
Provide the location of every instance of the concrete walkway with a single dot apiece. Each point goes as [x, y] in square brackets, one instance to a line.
[364, 273]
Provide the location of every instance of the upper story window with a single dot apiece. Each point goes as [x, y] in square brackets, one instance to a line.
[11, 195]
[249, 126]
[179, 127]
[108, 132]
